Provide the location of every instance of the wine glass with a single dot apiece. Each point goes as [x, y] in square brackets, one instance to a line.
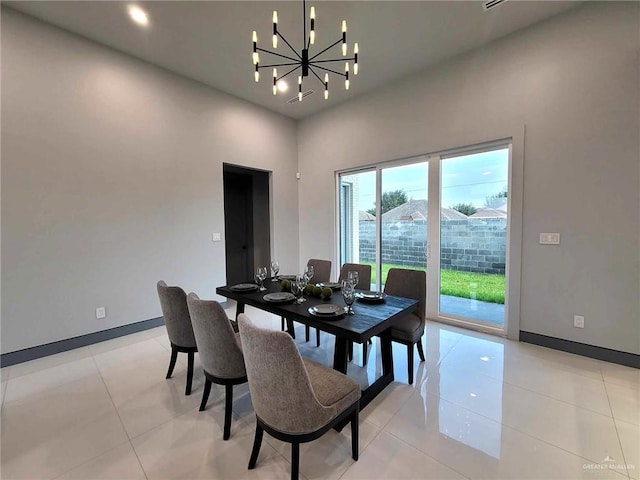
[353, 278]
[261, 274]
[275, 268]
[297, 288]
[349, 295]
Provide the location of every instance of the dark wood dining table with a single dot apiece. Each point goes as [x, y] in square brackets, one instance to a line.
[368, 320]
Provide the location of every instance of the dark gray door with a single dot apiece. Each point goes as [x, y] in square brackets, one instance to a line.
[238, 223]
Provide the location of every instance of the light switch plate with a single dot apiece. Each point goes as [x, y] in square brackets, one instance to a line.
[101, 312]
[549, 239]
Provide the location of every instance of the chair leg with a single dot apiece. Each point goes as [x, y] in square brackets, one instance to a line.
[295, 460]
[307, 332]
[228, 406]
[317, 337]
[205, 394]
[410, 362]
[282, 324]
[189, 373]
[257, 441]
[420, 351]
[172, 362]
[355, 427]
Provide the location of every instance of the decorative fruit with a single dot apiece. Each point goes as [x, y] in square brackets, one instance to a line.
[326, 292]
[317, 291]
[286, 285]
[308, 290]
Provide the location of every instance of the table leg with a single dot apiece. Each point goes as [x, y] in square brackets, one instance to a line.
[340, 354]
[239, 309]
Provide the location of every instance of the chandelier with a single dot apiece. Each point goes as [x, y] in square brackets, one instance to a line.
[303, 61]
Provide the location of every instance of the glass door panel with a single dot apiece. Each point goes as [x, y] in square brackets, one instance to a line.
[357, 204]
[473, 236]
[403, 204]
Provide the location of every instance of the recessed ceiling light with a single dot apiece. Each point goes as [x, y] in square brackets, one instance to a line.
[282, 86]
[138, 15]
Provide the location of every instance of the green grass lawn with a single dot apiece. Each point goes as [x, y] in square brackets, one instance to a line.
[484, 287]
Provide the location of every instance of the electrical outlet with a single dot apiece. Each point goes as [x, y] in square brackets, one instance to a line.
[215, 237]
[549, 239]
[101, 312]
[578, 321]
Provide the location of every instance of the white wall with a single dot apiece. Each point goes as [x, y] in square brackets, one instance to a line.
[112, 180]
[573, 81]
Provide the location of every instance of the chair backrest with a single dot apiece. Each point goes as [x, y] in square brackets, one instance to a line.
[364, 274]
[321, 270]
[281, 391]
[219, 351]
[408, 284]
[173, 302]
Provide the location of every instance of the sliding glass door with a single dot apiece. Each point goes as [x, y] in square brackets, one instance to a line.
[446, 214]
[473, 236]
[403, 217]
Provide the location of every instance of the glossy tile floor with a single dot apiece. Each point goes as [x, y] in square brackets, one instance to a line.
[481, 407]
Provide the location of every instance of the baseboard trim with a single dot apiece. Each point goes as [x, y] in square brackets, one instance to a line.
[20, 356]
[591, 351]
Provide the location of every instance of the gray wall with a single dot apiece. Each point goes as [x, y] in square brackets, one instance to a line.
[573, 81]
[112, 180]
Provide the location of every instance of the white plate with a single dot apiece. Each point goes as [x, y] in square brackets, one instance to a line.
[326, 309]
[244, 287]
[371, 297]
[331, 285]
[279, 297]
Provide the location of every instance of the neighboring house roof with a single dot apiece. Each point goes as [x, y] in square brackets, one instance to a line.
[417, 210]
[365, 216]
[489, 213]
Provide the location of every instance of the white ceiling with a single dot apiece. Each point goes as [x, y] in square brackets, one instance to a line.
[211, 41]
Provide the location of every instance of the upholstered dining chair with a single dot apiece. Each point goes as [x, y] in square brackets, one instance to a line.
[173, 302]
[295, 400]
[321, 273]
[220, 352]
[409, 330]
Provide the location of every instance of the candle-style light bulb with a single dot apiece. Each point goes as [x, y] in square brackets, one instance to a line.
[346, 78]
[254, 39]
[299, 88]
[326, 86]
[355, 60]
[344, 38]
[312, 30]
[275, 29]
[275, 80]
[256, 75]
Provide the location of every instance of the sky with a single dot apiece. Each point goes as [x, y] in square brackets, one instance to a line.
[465, 179]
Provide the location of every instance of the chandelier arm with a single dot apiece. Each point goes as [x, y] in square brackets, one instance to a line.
[332, 71]
[278, 65]
[319, 79]
[277, 54]
[344, 59]
[290, 71]
[289, 45]
[330, 46]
